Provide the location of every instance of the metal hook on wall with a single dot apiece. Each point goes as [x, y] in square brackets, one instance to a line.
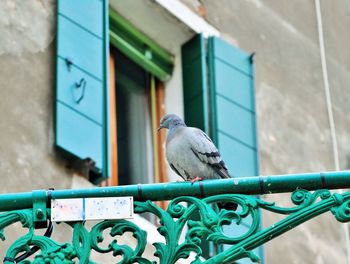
[69, 63]
[81, 85]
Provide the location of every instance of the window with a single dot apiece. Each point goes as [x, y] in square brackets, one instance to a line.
[139, 68]
[218, 82]
[111, 128]
[135, 122]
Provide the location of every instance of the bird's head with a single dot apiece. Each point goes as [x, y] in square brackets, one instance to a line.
[170, 121]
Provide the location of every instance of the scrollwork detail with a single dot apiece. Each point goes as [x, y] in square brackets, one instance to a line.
[119, 227]
[342, 211]
[177, 218]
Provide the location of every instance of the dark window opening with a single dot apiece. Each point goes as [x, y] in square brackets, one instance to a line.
[134, 122]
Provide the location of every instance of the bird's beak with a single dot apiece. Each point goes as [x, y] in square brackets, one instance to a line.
[159, 128]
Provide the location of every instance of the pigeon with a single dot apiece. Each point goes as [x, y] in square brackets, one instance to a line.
[190, 152]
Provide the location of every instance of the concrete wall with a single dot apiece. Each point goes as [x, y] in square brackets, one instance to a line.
[27, 80]
[294, 131]
[27, 84]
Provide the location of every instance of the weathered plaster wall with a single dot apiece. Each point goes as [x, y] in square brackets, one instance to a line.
[27, 80]
[294, 131]
[28, 160]
[26, 26]
[336, 21]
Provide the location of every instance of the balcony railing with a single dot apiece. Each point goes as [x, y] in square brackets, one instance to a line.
[310, 194]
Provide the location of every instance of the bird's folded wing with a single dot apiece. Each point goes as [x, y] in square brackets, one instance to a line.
[206, 152]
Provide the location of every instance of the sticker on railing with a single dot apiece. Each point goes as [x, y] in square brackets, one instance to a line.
[81, 209]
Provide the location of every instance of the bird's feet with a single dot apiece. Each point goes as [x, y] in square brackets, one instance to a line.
[196, 179]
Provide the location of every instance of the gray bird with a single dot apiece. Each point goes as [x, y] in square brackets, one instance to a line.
[190, 152]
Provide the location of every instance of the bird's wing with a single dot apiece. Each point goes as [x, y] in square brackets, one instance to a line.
[205, 150]
[185, 176]
[174, 153]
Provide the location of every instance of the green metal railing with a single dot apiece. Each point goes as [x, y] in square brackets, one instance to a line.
[311, 197]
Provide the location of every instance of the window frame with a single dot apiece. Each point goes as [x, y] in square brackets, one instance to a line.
[157, 90]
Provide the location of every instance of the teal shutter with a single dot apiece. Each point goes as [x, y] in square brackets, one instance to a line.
[195, 78]
[219, 97]
[225, 109]
[233, 115]
[81, 94]
[233, 126]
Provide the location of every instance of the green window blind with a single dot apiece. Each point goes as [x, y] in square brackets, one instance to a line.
[219, 97]
[139, 47]
[81, 105]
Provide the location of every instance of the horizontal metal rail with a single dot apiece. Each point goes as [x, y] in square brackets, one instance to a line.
[168, 191]
[206, 200]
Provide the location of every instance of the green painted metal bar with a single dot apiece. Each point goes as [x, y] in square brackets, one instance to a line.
[279, 228]
[168, 191]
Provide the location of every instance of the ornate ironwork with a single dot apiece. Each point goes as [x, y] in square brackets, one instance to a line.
[176, 219]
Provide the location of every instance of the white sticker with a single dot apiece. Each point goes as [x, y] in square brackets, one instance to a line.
[81, 209]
